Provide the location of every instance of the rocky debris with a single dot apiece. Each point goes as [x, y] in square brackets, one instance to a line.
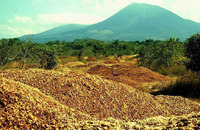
[127, 74]
[113, 61]
[23, 106]
[189, 121]
[73, 64]
[62, 68]
[101, 98]
[43, 99]
[185, 122]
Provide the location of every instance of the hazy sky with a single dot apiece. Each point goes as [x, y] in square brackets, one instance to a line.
[20, 17]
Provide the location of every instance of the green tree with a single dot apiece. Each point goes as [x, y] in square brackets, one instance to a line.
[165, 54]
[26, 54]
[8, 51]
[193, 52]
[46, 57]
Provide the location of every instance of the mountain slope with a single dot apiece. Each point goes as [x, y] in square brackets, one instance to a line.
[62, 29]
[134, 22]
[55, 33]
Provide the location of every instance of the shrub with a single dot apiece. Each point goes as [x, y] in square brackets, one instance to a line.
[163, 56]
[175, 70]
[193, 52]
[188, 86]
[48, 59]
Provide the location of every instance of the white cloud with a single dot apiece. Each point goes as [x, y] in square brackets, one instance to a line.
[68, 17]
[186, 9]
[110, 5]
[88, 1]
[13, 30]
[22, 20]
[19, 27]
[98, 6]
[37, 2]
[87, 12]
[8, 32]
[19, 31]
[105, 8]
[53, 1]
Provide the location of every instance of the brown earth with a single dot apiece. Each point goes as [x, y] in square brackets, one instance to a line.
[128, 74]
[184, 122]
[60, 94]
[23, 106]
[72, 64]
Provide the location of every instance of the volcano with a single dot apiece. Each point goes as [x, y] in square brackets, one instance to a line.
[134, 22]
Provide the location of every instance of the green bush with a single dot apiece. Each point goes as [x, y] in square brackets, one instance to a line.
[46, 57]
[163, 57]
[193, 52]
[9, 50]
[175, 70]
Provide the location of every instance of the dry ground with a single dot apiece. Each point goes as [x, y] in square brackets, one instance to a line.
[107, 99]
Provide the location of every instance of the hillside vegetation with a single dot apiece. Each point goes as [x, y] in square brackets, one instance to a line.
[159, 56]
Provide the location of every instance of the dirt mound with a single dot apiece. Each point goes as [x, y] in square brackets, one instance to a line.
[62, 68]
[101, 98]
[22, 106]
[126, 57]
[127, 74]
[184, 122]
[73, 63]
[189, 121]
[114, 61]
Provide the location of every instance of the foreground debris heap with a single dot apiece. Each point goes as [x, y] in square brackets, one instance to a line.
[22, 106]
[37, 98]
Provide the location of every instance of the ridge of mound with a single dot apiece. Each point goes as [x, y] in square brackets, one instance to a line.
[62, 68]
[127, 74]
[23, 106]
[186, 121]
[101, 98]
[74, 63]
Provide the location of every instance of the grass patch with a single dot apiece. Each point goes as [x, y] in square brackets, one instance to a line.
[187, 86]
[176, 70]
[65, 59]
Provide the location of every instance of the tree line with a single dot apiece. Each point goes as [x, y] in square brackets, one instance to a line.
[170, 53]
[153, 54]
[26, 54]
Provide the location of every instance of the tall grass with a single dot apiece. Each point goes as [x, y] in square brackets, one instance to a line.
[187, 86]
[175, 70]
